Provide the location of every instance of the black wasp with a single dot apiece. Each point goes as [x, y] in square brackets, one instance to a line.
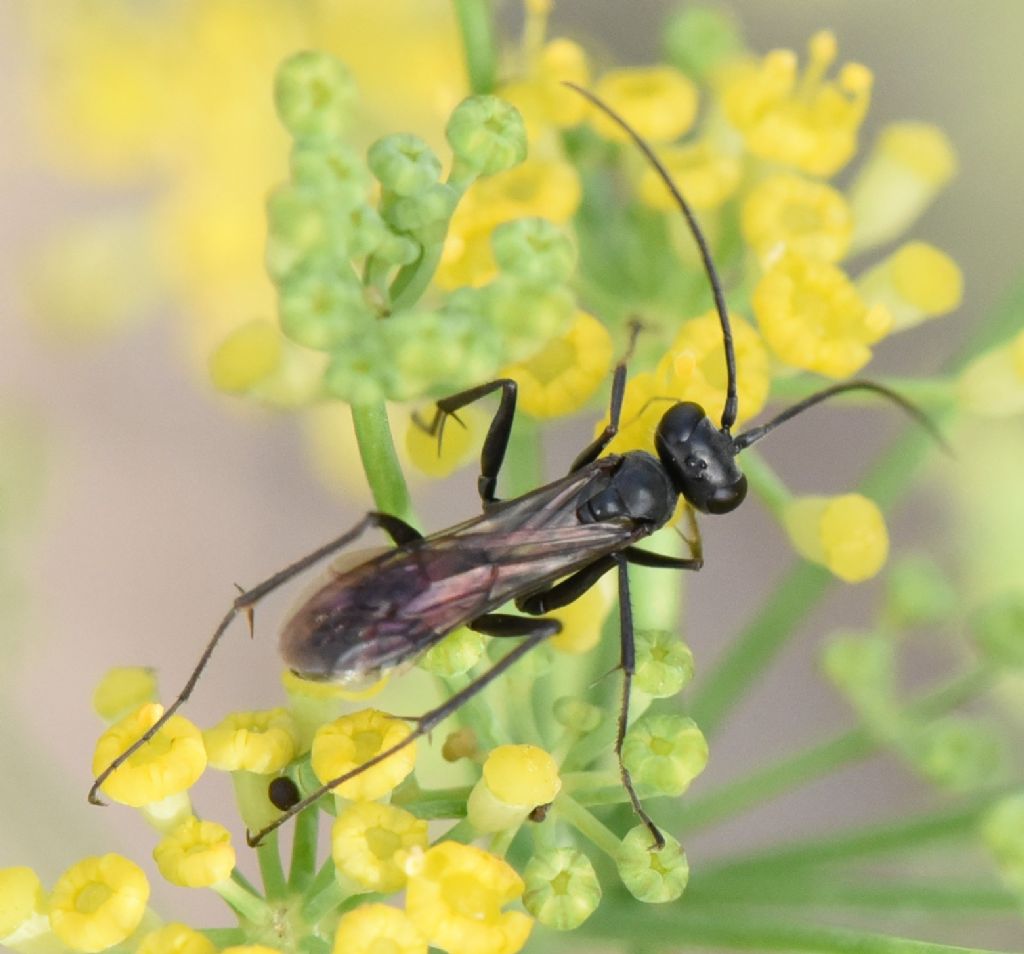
[540, 551]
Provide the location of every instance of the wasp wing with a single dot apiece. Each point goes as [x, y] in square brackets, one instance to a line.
[389, 609]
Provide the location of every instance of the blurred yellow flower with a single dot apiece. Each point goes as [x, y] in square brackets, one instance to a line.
[370, 844]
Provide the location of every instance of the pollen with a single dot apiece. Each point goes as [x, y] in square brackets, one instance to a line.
[370, 844]
[455, 897]
[787, 212]
[377, 929]
[98, 902]
[260, 742]
[804, 121]
[562, 377]
[345, 744]
[846, 534]
[659, 102]
[168, 764]
[813, 318]
[705, 174]
[196, 854]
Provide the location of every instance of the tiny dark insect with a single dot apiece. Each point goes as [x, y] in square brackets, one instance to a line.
[540, 551]
[283, 793]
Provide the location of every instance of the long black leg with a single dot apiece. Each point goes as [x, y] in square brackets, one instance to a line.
[492, 456]
[399, 531]
[628, 669]
[424, 724]
[661, 561]
[564, 593]
[505, 624]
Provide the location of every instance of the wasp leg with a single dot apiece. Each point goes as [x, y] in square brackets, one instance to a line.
[505, 624]
[399, 531]
[492, 456]
[542, 629]
[661, 561]
[628, 662]
[566, 592]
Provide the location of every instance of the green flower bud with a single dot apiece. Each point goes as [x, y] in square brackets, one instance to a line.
[527, 316]
[487, 134]
[958, 753]
[363, 231]
[652, 876]
[665, 753]
[998, 630]
[404, 164]
[1002, 830]
[361, 372]
[331, 169]
[323, 310]
[454, 655]
[396, 249]
[315, 95]
[562, 889]
[664, 663]
[578, 715]
[698, 39]
[918, 593]
[535, 250]
[299, 231]
[424, 215]
[862, 666]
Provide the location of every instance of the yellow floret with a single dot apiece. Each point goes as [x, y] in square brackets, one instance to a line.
[916, 282]
[260, 742]
[846, 534]
[993, 383]
[787, 212]
[175, 938]
[560, 378]
[541, 98]
[377, 929]
[460, 444]
[98, 902]
[345, 744]
[21, 900]
[122, 690]
[455, 896]
[370, 844]
[659, 102]
[245, 357]
[704, 174]
[196, 854]
[522, 775]
[583, 619]
[168, 764]
[801, 121]
[812, 317]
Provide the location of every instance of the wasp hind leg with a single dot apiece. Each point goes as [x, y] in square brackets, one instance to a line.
[400, 532]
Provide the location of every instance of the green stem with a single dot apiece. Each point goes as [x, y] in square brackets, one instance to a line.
[307, 828]
[477, 32]
[224, 937]
[821, 759]
[269, 857]
[437, 803]
[412, 280]
[767, 484]
[665, 925]
[377, 450]
[754, 649]
[243, 902]
[586, 824]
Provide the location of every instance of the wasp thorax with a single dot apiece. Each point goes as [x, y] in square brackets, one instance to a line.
[700, 458]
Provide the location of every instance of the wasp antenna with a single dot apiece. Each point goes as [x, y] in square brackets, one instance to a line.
[731, 401]
[755, 434]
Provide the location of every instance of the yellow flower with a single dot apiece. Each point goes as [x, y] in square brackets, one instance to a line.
[461, 443]
[705, 174]
[98, 902]
[801, 121]
[541, 98]
[543, 188]
[370, 844]
[246, 356]
[846, 534]
[659, 102]
[916, 282]
[455, 896]
[196, 854]
[516, 779]
[583, 619]
[693, 368]
[122, 690]
[348, 742]
[993, 383]
[561, 377]
[377, 929]
[643, 406]
[789, 213]
[906, 168]
[812, 317]
[168, 764]
[250, 949]
[262, 742]
[22, 906]
[175, 938]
